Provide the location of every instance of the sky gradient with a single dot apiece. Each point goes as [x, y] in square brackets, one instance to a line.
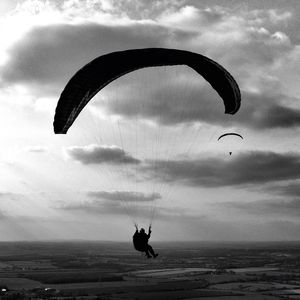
[146, 147]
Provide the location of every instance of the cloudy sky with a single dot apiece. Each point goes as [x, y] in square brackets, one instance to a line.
[146, 147]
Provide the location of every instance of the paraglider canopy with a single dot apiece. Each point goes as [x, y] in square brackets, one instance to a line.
[230, 144]
[98, 73]
[229, 133]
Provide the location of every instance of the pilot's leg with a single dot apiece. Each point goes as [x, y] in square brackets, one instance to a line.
[147, 253]
[150, 249]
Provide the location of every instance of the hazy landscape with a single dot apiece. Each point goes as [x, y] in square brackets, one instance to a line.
[107, 270]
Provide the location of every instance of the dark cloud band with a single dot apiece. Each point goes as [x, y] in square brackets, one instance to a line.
[124, 196]
[248, 168]
[96, 154]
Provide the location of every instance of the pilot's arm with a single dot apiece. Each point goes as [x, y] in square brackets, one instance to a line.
[149, 231]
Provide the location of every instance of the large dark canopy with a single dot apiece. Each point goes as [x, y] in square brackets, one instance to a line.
[94, 76]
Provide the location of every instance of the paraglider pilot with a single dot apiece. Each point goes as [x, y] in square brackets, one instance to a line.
[140, 242]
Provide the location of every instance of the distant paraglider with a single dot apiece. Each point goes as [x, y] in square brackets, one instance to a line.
[229, 134]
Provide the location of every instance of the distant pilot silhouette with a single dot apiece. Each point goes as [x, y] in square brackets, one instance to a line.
[140, 242]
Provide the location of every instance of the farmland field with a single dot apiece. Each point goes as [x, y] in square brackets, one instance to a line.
[99, 270]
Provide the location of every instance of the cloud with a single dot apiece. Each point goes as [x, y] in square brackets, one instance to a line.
[173, 96]
[189, 17]
[184, 97]
[10, 196]
[5, 194]
[96, 154]
[36, 149]
[47, 56]
[278, 16]
[142, 9]
[3, 215]
[265, 110]
[50, 55]
[179, 224]
[290, 189]
[278, 116]
[124, 196]
[108, 207]
[281, 207]
[46, 52]
[247, 168]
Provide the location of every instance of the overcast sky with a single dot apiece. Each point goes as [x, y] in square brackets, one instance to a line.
[146, 147]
